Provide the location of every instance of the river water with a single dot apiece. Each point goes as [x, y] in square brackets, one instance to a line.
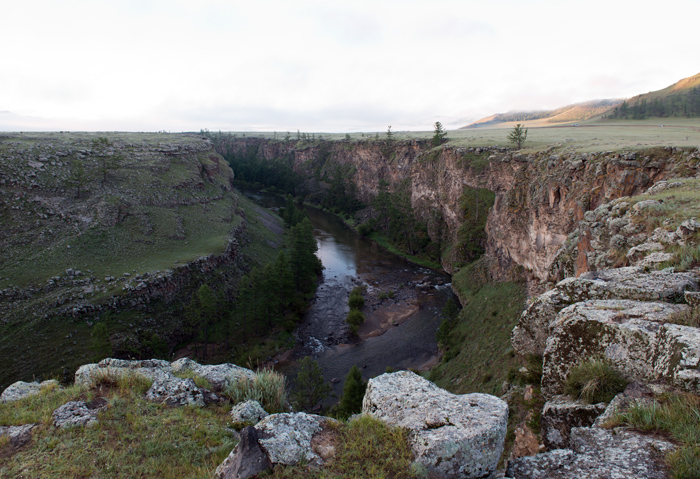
[399, 332]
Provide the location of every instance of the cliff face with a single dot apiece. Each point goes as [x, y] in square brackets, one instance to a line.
[539, 197]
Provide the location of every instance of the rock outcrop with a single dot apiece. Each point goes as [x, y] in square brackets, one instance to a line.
[166, 386]
[455, 436]
[287, 439]
[561, 414]
[595, 454]
[248, 412]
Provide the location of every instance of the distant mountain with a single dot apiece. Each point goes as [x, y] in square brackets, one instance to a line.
[680, 99]
[575, 112]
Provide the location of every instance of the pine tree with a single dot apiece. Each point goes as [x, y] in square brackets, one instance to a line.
[353, 394]
[311, 387]
[518, 135]
[439, 135]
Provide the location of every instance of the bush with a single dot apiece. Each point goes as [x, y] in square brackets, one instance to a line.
[268, 388]
[356, 301]
[355, 318]
[594, 380]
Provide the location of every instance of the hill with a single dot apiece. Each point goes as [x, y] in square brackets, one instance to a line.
[682, 99]
[575, 112]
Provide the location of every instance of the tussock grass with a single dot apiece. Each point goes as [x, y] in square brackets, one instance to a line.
[130, 381]
[37, 408]
[678, 416]
[268, 388]
[367, 448]
[594, 380]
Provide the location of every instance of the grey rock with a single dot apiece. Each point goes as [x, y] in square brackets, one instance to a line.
[631, 335]
[692, 298]
[19, 435]
[598, 454]
[246, 460]
[166, 387]
[20, 390]
[248, 412]
[74, 413]
[531, 333]
[451, 435]
[288, 438]
[561, 414]
[537, 322]
[219, 375]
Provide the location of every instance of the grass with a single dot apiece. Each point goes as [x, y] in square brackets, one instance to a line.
[366, 448]
[384, 242]
[268, 388]
[677, 416]
[594, 380]
[133, 437]
[489, 313]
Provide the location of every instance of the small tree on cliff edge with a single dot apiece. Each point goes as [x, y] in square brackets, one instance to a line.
[439, 135]
[518, 135]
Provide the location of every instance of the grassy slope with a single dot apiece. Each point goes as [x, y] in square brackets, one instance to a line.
[479, 354]
[157, 189]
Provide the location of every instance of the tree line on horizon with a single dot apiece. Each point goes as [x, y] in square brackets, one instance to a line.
[686, 104]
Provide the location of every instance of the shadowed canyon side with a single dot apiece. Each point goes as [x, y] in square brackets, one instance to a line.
[539, 197]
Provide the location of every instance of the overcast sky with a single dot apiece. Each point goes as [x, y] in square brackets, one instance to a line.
[150, 65]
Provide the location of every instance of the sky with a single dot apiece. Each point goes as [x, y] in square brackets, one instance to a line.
[327, 66]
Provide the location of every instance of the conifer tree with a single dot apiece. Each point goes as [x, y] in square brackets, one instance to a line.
[311, 387]
[353, 393]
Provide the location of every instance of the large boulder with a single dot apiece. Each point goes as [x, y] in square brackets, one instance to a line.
[561, 414]
[454, 436]
[21, 390]
[538, 321]
[631, 335]
[595, 454]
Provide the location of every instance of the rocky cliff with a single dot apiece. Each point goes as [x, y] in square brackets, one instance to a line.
[539, 197]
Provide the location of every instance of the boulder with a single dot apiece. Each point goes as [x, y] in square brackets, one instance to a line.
[287, 438]
[19, 435]
[74, 413]
[248, 412]
[561, 414]
[597, 453]
[21, 390]
[246, 460]
[219, 375]
[525, 442]
[453, 436]
[631, 335]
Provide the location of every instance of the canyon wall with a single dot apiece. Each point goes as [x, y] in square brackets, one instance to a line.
[540, 197]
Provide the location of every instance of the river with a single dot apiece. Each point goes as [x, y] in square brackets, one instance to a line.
[400, 330]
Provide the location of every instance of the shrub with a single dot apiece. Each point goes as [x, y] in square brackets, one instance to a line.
[268, 388]
[594, 380]
[356, 301]
[355, 318]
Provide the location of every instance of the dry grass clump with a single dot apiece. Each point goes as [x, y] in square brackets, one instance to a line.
[594, 380]
[268, 388]
[676, 415]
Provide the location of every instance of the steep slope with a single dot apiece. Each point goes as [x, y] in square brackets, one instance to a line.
[93, 223]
